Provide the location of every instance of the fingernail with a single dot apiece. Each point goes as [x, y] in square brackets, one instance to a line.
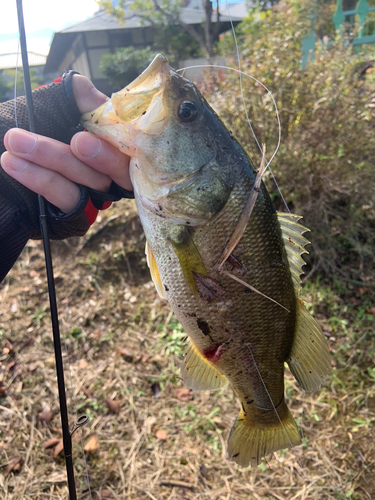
[87, 145]
[13, 162]
[21, 141]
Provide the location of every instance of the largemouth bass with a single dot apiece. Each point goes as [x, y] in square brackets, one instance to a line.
[244, 319]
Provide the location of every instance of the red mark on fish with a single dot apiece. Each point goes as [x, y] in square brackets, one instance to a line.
[214, 352]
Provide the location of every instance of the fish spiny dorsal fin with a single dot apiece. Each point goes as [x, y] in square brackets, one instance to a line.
[294, 243]
[199, 374]
[309, 358]
[151, 262]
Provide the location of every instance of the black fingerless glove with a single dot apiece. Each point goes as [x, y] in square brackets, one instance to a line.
[56, 116]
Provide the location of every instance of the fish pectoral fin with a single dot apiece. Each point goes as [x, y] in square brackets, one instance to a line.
[295, 243]
[249, 441]
[199, 374]
[309, 359]
[188, 255]
[151, 262]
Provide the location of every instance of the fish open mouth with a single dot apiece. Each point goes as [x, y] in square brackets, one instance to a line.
[131, 103]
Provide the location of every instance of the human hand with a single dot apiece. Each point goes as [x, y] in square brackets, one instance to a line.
[53, 169]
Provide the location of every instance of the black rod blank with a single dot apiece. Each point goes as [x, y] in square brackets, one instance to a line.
[67, 441]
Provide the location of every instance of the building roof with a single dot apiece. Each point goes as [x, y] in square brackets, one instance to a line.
[10, 61]
[102, 21]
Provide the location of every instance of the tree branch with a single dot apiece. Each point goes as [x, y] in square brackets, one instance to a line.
[186, 27]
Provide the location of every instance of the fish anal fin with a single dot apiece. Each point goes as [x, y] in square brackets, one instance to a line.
[309, 359]
[199, 374]
[249, 441]
[151, 262]
[295, 243]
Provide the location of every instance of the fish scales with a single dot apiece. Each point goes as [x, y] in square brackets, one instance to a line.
[191, 180]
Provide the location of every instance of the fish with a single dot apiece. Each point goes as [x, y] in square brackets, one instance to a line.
[242, 313]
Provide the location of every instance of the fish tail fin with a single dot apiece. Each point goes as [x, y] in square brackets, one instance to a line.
[249, 441]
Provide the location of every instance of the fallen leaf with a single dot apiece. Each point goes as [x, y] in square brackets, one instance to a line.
[14, 466]
[184, 394]
[371, 310]
[156, 389]
[33, 366]
[126, 352]
[14, 306]
[58, 448]
[46, 415]
[9, 344]
[28, 342]
[92, 445]
[106, 495]
[203, 470]
[83, 364]
[113, 406]
[97, 333]
[145, 357]
[11, 366]
[2, 389]
[162, 435]
[51, 443]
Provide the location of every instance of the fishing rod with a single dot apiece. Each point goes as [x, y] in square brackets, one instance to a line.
[66, 432]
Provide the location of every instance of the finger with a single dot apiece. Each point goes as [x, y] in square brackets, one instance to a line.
[87, 96]
[103, 157]
[55, 156]
[53, 186]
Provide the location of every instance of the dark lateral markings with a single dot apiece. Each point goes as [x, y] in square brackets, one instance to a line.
[203, 326]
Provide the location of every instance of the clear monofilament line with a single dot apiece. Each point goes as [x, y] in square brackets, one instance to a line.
[15, 85]
[240, 72]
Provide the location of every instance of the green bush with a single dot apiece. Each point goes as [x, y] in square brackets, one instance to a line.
[125, 65]
[325, 164]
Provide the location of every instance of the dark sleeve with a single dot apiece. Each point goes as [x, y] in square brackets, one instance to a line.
[56, 116]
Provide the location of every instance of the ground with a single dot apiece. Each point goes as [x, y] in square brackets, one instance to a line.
[148, 437]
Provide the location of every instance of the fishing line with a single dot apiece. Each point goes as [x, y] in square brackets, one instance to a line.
[304, 474]
[245, 108]
[15, 85]
[241, 73]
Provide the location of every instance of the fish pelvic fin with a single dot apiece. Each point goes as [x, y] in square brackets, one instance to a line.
[199, 374]
[151, 262]
[249, 441]
[295, 243]
[188, 255]
[309, 358]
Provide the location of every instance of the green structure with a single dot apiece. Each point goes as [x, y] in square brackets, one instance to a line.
[362, 15]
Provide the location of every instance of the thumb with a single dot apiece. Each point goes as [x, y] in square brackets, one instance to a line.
[87, 96]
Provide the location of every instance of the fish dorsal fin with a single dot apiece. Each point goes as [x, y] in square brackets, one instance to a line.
[151, 262]
[294, 244]
[309, 358]
[198, 373]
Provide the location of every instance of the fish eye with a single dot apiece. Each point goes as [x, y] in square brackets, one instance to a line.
[187, 112]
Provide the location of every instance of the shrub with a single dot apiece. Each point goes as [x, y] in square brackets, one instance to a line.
[125, 65]
[325, 164]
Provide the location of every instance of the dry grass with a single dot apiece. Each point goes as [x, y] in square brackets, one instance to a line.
[122, 346]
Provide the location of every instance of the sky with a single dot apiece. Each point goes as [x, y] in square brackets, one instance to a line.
[42, 18]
